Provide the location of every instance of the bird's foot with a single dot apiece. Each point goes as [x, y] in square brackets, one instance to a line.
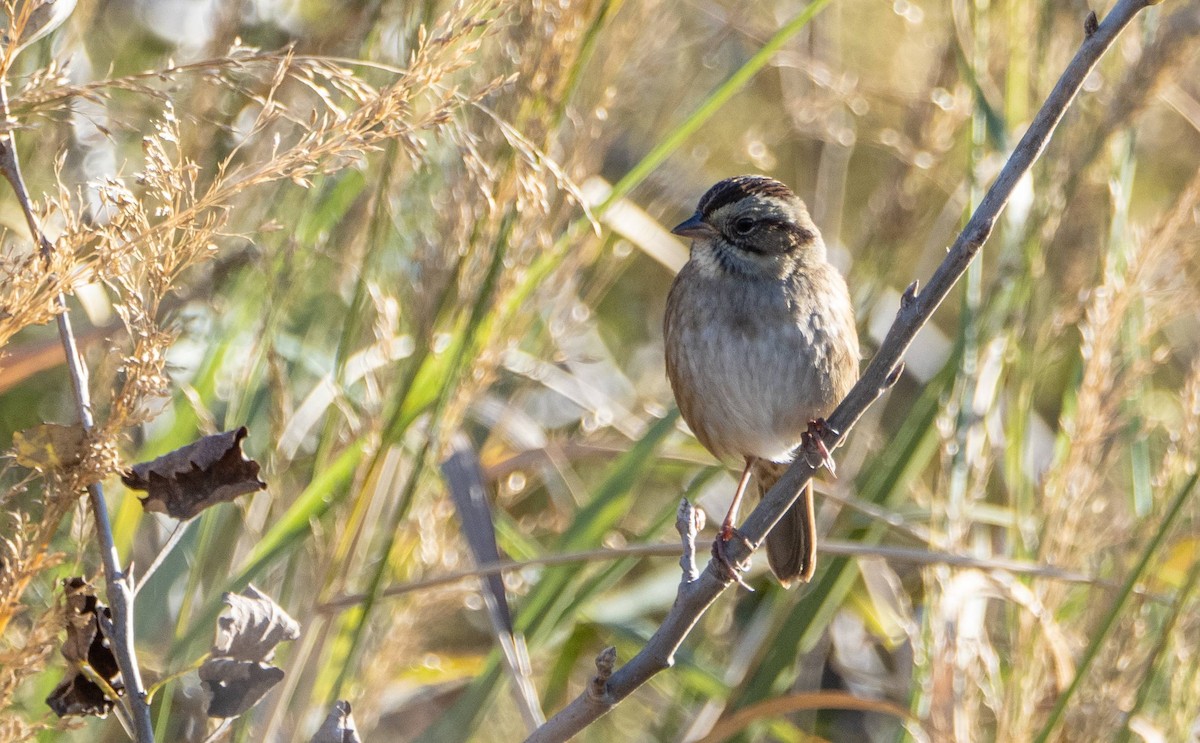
[813, 443]
[720, 549]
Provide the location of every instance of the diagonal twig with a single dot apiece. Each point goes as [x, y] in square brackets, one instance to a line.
[916, 309]
[689, 530]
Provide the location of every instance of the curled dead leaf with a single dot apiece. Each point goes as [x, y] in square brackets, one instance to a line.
[338, 726]
[188, 480]
[237, 674]
[254, 626]
[235, 686]
[86, 645]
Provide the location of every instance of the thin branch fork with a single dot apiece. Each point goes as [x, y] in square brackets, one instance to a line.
[118, 583]
[916, 309]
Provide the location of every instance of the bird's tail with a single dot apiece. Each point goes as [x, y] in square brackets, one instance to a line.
[792, 543]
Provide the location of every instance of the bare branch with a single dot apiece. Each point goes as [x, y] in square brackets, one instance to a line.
[696, 596]
[688, 523]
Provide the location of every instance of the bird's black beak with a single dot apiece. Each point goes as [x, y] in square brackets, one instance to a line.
[693, 227]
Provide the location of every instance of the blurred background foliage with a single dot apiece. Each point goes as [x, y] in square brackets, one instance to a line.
[469, 274]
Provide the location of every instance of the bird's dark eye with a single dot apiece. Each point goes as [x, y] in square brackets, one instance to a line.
[744, 226]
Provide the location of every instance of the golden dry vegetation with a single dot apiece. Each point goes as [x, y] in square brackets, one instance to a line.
[362, 229]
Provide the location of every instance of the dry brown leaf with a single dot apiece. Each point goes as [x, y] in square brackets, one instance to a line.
[77, 695]
[235, 686]
[190, 479]
[254, 626]
[338, 726]
[237, 674]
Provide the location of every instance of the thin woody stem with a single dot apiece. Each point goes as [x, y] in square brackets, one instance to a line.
[120, 595]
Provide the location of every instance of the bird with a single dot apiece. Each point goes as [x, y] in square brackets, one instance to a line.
[760, 344]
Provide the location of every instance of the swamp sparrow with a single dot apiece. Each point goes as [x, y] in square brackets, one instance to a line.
[760, 345]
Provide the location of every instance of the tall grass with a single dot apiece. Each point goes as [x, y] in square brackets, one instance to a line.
[375, 237]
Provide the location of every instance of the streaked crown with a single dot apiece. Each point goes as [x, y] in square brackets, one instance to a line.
[732, 190]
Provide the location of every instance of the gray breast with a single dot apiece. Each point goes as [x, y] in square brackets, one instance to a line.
[752, 373]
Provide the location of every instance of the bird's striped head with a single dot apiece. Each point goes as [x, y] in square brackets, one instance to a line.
[752, 224]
